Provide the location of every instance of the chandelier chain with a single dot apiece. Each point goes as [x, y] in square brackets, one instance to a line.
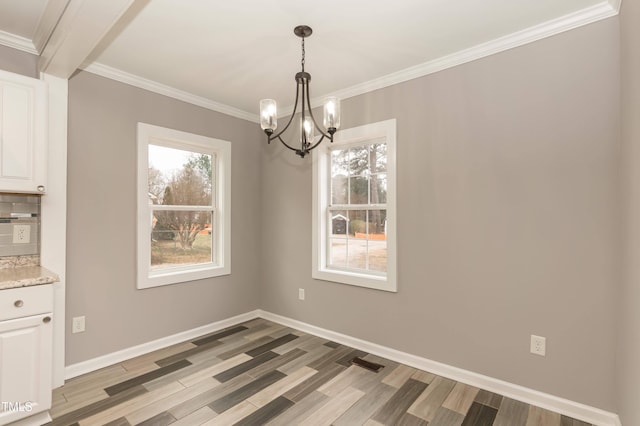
[302, 61]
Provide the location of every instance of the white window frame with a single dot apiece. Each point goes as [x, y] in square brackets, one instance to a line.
[321, 225]
[221, 226]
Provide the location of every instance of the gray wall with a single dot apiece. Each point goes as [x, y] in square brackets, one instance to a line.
[628, 365]
[18, 62]
[101, 221]
[507, 218]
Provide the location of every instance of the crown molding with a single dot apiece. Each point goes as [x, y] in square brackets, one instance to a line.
[152, 86]
[17, 42]
[603, 10]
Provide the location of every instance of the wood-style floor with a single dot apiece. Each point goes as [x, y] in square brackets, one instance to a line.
[260, 373]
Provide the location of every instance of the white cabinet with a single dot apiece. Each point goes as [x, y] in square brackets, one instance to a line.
[23, 134]
[25, 352]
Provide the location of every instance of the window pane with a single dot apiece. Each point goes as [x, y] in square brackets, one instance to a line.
[359, 190]
[359, 161]
[358, 223]
[377, 220]
[338, 252]
[339, 221]
[378, 188]
[180, 238]
[180, 178]
[339, 193]
[357, 253]
[378, 158]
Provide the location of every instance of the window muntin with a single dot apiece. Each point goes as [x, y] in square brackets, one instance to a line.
[183, 206]
[354, 239]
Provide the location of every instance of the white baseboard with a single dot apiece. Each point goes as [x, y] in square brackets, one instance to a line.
[569, 408]
[90, 365]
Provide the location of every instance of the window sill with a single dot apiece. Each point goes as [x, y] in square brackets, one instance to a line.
[356, 279]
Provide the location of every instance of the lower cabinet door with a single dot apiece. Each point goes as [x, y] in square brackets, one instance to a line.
[25, 367]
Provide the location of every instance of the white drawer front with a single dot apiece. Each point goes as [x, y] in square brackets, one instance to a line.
[26, 301]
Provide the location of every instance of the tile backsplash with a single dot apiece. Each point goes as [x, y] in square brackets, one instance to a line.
[19, 225]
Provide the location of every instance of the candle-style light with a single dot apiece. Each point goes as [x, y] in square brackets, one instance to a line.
[269, 116]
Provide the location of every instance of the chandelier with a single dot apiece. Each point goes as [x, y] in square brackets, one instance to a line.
[308, 124]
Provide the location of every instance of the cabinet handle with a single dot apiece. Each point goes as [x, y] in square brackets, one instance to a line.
[40, 188]
[18, 303]
[46, 320]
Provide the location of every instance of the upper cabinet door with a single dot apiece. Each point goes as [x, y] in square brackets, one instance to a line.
[23, 134]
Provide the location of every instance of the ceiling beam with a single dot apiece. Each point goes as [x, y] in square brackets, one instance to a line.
[69, 30]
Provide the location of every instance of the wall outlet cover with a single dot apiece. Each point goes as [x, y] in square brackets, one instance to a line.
[21, 234]
[538, 345]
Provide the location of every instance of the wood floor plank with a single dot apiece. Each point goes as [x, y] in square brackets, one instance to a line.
[446, 417]
[311, 384]
[96, 407]
[334, 408]
[80, 400]
[128, 405]
[332, 355]
[161, 405]
[213, 370]
[294, 344]
[245, 366]
[461, 398]
[489, 398]
[232, 415]
[541, 417]
[219, 335]
[134, 364]
[512, 413]
[480, 415]
[373, 399]
[398, 404]
[430, 400]
[281, 386]
[423, 376]
[343, 380]
[249, 345]
[270, 345]
[182, 356]
[313, 355]
[272, 328]
[245, 392]
[118, 422]
[147, 377]
[181, 410]
[399, 376]
[300, 410]
[162, 419]
[267, 412]
[181, 373]
[198, 417]
[274, 363]
[411, 420]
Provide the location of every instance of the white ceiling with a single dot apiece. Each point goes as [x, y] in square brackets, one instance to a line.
[236, 52]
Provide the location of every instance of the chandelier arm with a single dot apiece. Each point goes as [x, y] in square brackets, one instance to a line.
[295, 107]
[286, 144]
[317, 143]
[324, 135]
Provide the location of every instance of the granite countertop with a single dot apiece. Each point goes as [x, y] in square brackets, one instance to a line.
[25, 276]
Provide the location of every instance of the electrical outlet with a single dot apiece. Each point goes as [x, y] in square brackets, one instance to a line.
[538, 345]
[21, 234]
[78, 325]
[301, 294]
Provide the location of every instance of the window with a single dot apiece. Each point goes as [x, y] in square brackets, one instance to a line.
[354, 207]
[184, 208]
